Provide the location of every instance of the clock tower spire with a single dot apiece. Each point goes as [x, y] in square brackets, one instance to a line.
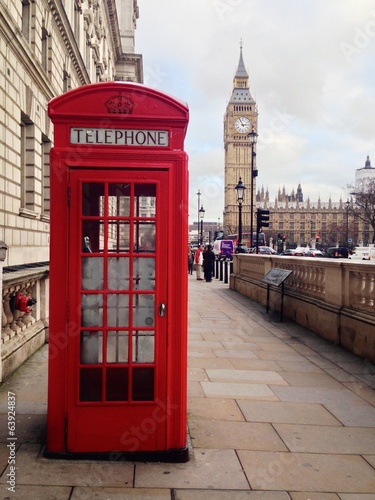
[241, 118]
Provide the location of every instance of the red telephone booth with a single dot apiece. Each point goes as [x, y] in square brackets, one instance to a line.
[118, 279]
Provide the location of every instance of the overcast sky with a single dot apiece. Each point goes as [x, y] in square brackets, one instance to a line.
[311, 65]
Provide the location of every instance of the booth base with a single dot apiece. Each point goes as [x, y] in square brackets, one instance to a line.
[167, 456]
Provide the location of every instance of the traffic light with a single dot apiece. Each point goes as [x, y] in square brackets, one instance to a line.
[263, 217]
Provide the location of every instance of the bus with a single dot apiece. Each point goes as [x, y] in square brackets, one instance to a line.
[246, 240]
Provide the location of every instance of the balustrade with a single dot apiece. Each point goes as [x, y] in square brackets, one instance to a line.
[24, 314]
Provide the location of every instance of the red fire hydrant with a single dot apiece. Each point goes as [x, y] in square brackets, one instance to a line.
[24, 302]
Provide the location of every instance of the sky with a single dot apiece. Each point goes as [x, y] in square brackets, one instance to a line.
[311, 66]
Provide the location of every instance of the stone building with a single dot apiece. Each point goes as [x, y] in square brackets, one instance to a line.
[316, 223]
[298, 221]
[46, 49]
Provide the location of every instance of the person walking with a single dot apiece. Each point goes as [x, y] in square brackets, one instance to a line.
[198, 259]
[208, 263]
[190, 260]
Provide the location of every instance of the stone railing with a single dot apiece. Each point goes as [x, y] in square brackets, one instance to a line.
[333, 298]
[24, 315]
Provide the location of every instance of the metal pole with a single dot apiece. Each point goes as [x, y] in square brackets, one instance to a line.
[199, 204]
[251, 196]
[239, 241]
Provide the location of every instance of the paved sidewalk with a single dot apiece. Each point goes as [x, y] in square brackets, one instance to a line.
[274, 413]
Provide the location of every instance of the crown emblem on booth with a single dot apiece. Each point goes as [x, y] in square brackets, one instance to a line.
[119, 104]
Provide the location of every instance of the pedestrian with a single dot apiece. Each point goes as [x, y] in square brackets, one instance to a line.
[198, 259]
[208, 263]
[190, 260]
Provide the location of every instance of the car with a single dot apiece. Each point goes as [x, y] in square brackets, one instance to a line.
[263, 250]
[338, 252]
[313, 252]
[294, 252]
[241, 249]
[363, 253]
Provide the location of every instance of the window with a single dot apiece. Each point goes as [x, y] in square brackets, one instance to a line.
[30, 179]
[46, 148]
[26, 11]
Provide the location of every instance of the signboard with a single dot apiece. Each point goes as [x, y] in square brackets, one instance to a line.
[276, 276]
[119, 137]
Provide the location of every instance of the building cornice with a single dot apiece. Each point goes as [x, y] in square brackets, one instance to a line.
[62, 22]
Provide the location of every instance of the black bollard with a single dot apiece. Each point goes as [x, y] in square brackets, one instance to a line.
[221, 270]
[226, 272]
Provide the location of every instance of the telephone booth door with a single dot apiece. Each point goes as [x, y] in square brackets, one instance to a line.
[117, 311]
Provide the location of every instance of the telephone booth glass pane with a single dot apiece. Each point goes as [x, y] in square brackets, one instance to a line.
[142, 384]
[118, 236]
[91, 347]
[92, 273]
[92, 198]
[117, 346]
[144, 273]
[91, 384]
[143, 346]
[119, 200]
[118, 310]
[92, 310]
[117, 384]
[144, 237]
[143, 310]
[118, 273]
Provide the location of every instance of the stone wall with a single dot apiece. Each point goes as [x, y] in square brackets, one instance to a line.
[333, 298]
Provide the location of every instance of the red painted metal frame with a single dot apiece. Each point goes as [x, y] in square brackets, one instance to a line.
[85, 107]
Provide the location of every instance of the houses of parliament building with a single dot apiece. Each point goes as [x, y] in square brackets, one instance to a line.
[296, 220]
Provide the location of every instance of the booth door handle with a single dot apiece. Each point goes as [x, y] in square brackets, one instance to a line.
[162, 309]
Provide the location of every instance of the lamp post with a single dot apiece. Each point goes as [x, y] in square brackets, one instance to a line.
[201, 215]
[347, 222]
[199, 204]
[240, 188]
[253, 139]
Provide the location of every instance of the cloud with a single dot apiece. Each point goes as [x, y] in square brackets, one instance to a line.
[311, 72]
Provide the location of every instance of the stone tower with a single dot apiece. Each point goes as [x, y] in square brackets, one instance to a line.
[241, 118]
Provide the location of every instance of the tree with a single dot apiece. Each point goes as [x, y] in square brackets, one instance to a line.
[364, 202]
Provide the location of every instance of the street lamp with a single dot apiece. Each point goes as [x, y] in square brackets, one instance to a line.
[240, 188]
[201, 215]
[347, 222]
[253, 139]
[199, 204]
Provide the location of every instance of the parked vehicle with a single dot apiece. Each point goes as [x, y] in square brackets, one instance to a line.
[223, 249]
[338, 252]
[313, 252]
[294, 252]
[363, 253]
[264, 250]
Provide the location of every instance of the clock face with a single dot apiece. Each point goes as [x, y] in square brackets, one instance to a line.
[242, 124]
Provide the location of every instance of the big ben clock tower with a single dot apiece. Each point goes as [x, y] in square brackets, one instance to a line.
[240, 120]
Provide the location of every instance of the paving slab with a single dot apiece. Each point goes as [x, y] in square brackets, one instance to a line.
[207, 469]
[238, 391]
[320, 395]
[80, 493]
[288, 413]
[215, 409]
[307, 472]
[327, 439]
[246, 376]
[352, 415]
[229, 495]
[234, 435]
[38, 492]
[33, 469]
